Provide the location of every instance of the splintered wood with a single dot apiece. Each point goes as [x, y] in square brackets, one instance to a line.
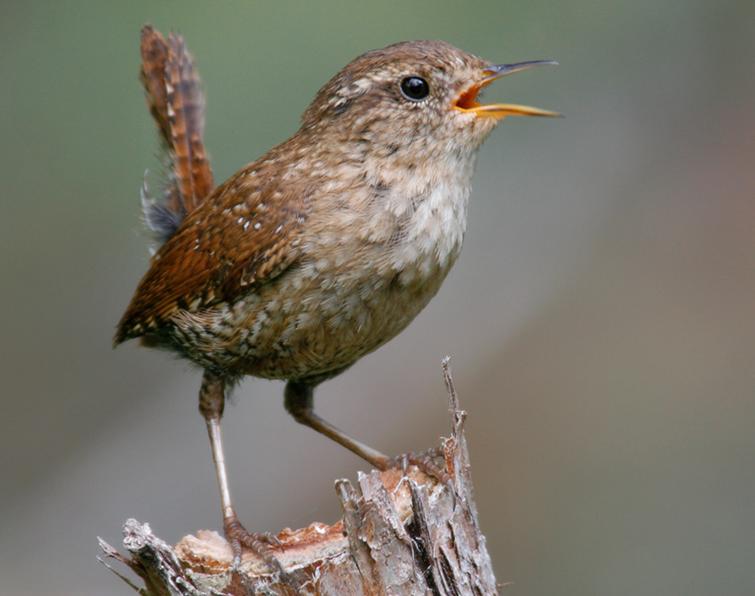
[402, 532]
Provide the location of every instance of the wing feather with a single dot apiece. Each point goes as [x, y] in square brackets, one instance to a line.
[245, 234]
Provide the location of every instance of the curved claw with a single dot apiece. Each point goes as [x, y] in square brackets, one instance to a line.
[260, 543]
[425, 462]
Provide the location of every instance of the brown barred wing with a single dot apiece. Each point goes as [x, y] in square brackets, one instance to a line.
[241, 237]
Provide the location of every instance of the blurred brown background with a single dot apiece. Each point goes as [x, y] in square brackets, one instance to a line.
[601, 319]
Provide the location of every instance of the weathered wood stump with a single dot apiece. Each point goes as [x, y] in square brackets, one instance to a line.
[402, 532]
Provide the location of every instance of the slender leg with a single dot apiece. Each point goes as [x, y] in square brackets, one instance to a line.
[211, 404]
[299, 402]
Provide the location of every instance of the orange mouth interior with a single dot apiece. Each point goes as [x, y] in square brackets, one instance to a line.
[467, 102]
[468, 98]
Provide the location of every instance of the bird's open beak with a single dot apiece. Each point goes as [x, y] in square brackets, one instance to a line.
[467, 100]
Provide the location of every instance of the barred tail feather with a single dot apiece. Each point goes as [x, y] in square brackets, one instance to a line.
[185, 111]
[176, 102]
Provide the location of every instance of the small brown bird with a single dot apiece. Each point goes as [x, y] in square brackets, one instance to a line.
[324, 248]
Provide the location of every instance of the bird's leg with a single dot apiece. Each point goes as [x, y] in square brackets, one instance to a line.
[299, 402]
[211, 404]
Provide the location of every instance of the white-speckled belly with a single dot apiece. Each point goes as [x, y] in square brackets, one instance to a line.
[312, 330]
[348, 295]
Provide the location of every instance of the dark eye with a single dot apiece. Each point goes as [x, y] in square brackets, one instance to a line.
[415, 88]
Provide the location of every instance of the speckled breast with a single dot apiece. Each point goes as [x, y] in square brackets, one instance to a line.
[349, 293]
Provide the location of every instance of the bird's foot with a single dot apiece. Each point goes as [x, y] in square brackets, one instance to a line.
[426, 462]
[262, 544]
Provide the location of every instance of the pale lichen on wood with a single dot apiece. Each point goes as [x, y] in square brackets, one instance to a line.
[402, 533]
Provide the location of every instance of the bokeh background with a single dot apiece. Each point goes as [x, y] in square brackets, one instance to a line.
[601, 319]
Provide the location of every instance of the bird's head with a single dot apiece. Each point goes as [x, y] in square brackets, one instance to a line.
[415, 97]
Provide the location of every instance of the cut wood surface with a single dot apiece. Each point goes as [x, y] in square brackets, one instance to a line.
[402, 532]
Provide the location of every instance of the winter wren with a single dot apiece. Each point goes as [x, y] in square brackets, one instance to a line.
[324, 248]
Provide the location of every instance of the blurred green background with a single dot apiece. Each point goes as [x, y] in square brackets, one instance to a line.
[601, 319]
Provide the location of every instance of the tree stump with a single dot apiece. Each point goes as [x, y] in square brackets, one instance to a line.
[402, 533]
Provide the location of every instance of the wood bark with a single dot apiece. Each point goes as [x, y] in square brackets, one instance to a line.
[402, 533]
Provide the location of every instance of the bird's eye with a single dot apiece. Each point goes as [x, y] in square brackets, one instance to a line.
[415, 88]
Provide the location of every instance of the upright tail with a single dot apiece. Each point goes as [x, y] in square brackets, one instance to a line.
[176, 102]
